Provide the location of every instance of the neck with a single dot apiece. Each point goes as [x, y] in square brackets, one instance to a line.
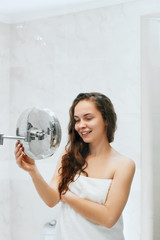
[100, 148]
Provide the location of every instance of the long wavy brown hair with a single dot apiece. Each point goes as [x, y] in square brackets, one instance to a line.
[74, 160]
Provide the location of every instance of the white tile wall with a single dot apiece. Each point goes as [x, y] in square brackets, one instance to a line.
[150, 124]
[47, 63]
[4, 129]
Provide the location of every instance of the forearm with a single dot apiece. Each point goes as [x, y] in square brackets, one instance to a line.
[48, 194]
[92, 211]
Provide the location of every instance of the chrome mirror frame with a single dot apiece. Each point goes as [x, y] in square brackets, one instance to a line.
[40, 131]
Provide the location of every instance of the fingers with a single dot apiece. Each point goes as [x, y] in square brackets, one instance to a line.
[22, 160]
[18, 149]
[19, 154]
[19, 160]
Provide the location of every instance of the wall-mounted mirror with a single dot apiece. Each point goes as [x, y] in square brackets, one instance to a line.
[40, 131]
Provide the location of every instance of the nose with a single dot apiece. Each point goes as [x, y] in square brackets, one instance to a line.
[82, 124]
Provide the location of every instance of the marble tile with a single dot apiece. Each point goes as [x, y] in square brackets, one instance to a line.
[5, 223]
[4, 128]
[4, 89]
[44, 37]
[4, 71]
[128, 137]
[52, 61]
[47, 63]
[28, 211]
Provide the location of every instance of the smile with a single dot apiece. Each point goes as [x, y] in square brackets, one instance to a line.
[84, 133]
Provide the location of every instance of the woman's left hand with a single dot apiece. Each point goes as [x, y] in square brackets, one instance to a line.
[67, 196]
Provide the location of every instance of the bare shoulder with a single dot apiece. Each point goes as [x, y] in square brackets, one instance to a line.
[125, 166]
[126, 161]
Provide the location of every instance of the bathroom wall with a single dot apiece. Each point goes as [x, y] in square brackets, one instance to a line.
[51, 61]
[150, 119]
[54, 59]
[4, 129]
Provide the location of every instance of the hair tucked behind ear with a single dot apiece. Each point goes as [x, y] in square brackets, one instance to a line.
[74, 161]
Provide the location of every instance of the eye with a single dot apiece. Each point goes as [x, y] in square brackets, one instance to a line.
[76, 120]
[89, 118]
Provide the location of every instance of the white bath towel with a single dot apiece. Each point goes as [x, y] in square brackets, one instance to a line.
[72, 226]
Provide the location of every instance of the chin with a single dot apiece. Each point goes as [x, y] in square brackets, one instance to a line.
[86, 140]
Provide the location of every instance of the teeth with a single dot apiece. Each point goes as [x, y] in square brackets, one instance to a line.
[83, 133]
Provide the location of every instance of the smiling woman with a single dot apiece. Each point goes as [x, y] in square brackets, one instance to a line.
[88, 121]
[92, 180]
[95, 179]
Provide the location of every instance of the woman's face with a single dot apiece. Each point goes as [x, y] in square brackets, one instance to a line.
[89, 122]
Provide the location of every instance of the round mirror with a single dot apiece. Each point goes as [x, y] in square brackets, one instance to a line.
[42, 132]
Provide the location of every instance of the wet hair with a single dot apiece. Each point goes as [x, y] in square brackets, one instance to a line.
[74, 160]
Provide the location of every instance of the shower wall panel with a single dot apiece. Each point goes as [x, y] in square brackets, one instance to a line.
[48, 62]
[4, 129]
[54, 59]
[150, 124]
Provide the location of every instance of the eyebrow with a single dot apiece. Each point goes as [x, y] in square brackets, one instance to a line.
[85, 114]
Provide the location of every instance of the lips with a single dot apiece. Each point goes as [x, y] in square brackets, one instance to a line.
[85, 133]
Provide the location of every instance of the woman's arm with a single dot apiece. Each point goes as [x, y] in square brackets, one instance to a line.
[48, 192]
[107, 214]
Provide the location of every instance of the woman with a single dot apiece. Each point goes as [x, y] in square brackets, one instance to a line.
[92, 180]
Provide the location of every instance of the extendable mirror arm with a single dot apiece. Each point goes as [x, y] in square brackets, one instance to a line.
[2, 136]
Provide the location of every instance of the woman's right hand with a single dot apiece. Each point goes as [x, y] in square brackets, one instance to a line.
[23, 161]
